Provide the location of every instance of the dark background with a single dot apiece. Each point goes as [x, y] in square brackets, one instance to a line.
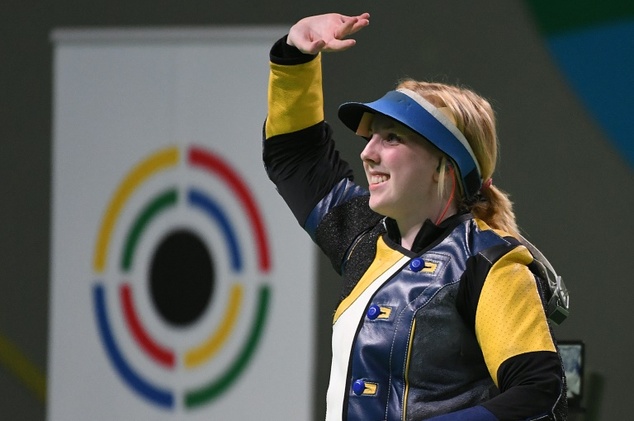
[572, 189]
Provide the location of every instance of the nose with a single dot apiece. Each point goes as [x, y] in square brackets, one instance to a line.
[370, 152]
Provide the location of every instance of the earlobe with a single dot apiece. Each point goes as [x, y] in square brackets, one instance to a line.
[436, 175]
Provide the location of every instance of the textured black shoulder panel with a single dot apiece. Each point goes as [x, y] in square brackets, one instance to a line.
[345, 227]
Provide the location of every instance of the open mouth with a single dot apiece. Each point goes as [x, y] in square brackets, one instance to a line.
[378, 179]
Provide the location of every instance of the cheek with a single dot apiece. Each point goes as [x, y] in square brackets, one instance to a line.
[417, 169]
[419, 185]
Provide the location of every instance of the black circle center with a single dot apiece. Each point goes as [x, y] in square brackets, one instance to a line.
[181, 277]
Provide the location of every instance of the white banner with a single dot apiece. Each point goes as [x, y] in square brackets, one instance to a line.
[181, 287]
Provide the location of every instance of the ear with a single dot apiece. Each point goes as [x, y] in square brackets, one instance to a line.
[436, 175]
[442, 167]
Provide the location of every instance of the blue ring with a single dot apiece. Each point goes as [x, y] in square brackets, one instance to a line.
[159, 396]
[198, 198]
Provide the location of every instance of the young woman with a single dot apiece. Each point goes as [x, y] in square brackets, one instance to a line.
[443, 313]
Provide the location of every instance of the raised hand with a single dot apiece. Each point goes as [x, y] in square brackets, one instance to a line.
[326, 32]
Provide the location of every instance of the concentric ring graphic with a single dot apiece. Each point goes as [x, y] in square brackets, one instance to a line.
[180, 278]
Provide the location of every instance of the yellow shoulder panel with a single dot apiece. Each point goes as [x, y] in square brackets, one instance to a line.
[510, 318]
[484, 227]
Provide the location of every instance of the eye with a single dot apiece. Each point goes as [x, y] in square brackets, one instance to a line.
[392, 137]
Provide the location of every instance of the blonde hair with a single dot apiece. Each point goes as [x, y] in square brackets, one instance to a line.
[475, 118]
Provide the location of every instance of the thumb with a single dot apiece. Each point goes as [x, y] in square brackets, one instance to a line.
[312, 47]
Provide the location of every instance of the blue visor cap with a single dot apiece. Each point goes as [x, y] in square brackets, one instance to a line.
[442, 134]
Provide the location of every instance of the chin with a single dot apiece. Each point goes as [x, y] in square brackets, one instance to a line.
[378, 208]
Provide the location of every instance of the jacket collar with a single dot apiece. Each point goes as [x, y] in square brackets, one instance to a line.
[429, 233]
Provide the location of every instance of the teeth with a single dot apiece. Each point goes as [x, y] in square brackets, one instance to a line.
[376, 179]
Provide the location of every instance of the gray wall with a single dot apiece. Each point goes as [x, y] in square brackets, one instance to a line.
[572, 190]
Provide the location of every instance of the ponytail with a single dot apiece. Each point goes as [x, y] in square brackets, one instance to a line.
[494, 207]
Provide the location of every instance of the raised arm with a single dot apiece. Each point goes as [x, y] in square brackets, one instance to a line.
[299, 150]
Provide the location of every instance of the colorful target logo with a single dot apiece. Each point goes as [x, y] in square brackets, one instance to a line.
[181, 267]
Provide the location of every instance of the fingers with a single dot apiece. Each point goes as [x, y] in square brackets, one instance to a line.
[338, 45]
[352, 24]
[361, 22]
[348, 26]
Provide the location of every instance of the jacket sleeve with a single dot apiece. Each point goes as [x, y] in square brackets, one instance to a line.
[295, 94]
[300, 156]
[299, 151]
[505, 305]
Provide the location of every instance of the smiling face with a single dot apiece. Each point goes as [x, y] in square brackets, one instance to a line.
[400, 166]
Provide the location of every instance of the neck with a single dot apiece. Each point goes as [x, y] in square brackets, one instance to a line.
[410, 229]
[444, 213]
[409, 235]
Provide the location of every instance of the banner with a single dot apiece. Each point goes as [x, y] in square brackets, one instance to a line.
[591, 43]
[182, 288]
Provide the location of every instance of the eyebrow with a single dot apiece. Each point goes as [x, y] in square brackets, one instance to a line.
[392, 126]
[383, 123]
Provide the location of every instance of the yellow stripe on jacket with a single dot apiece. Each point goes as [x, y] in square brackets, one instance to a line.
[384, 259]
